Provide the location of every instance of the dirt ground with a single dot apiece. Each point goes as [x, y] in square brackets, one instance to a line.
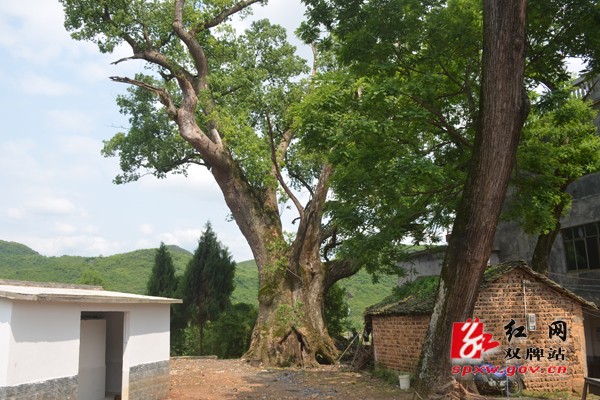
[210, 379]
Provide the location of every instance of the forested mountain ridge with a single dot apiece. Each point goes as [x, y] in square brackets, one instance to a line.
[129, 272]
[126, 272]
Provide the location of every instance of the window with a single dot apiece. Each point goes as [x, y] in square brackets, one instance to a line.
[582, 246]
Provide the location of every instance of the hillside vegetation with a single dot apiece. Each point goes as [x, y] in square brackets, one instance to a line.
[129, 272]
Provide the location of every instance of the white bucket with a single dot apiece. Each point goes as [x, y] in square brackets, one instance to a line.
[404, 381]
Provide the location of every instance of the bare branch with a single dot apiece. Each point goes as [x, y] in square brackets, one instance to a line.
[274, 152]
[339, 269]
[223, 15]
[303, 182]
[120, 60]
[163, 95]
[196, 50]
[443, 122]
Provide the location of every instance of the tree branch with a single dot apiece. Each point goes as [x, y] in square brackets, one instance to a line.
[303, 182]
[442, 120]
[339, 269]
[196, 50]
[223, 15]
[163, 95]
[128, 38]
[274, 152]
[201, 63]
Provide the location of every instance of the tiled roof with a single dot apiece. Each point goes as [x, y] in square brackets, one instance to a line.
[418, 297]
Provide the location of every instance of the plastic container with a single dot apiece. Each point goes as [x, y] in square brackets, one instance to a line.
[404, 381]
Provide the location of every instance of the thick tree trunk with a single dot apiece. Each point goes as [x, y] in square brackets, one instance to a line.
[543, 246]
[290, 329]
[503, 110]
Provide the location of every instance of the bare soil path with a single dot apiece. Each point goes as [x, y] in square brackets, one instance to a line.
[209, 379]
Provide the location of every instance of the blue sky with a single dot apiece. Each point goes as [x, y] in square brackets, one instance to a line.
[58, 105]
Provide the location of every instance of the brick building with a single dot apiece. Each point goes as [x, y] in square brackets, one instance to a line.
[510, 291]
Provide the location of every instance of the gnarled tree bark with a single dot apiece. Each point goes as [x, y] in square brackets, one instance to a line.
[503, 109]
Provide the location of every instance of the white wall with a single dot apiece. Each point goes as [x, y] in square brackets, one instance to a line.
[5, 313]
[92, 357]
[149, 334]
[45, 338]
[44, 343]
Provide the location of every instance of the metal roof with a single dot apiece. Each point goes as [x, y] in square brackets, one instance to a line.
[52, 292]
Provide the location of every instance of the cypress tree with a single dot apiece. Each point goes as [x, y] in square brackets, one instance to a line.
[208, 281]
[162, 281]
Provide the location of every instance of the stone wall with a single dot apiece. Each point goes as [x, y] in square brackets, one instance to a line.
[398, 339]
[61, 388]
[149, 381]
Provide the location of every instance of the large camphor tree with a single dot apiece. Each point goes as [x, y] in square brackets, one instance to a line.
[214, 98]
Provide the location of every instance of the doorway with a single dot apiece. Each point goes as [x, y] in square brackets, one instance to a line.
[101, 355]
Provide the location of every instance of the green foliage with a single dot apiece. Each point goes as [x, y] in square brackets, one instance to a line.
[162, 281]
[251, 78]
[229, 336]
[188, 343]
[127, 272]
[559, 145]
[208, 281]
[336, 311]
[91, 277]
[288, 316]
[398, 118]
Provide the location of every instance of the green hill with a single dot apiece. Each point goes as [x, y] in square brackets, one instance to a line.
[129, 272]
[126, 272]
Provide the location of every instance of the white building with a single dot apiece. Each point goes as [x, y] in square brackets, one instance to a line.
[80, 342]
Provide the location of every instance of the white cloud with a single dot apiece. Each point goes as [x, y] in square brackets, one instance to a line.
[186, 238]
[64, 228]
[52, 205]
[83, 245]
[41, 85]
[71, 121]
[199, 180]
[34, 31]
[49, 205]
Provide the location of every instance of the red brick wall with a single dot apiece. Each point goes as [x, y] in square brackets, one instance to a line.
[398, 339]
